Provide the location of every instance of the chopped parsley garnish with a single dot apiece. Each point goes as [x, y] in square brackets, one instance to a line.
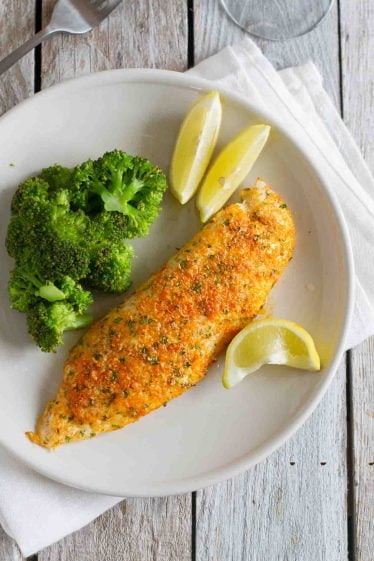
[130, 324]
[152, 359]
[197, 287]
[146, 320]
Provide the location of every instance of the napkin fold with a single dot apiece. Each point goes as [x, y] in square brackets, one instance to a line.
[35, 511]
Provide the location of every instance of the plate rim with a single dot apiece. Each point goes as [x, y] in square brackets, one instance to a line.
[252, 458]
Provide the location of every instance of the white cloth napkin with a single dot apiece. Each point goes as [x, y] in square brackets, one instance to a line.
[37, 511]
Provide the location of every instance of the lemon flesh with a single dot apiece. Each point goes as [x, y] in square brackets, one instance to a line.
[229, 169]
[194, 147]
[269, 341]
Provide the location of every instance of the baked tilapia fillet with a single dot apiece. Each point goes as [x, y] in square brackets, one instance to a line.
[162, 339]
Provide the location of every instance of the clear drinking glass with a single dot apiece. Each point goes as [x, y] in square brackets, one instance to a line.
[277, 19]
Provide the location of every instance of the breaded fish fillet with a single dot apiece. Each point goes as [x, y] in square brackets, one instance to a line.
[162, 339]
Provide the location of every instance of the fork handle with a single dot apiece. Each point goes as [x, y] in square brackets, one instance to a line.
[11, 59]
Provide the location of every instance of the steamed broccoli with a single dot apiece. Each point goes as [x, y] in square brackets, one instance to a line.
[111, 268]
[57, 177]
[37, 298]
[131, 186]
[26, 288]
[47, 322]
[107, 226]
[45, 234]
[67, 231]
[75, 294]
[31, 196]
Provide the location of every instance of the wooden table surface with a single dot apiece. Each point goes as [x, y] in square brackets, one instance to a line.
[313, 499]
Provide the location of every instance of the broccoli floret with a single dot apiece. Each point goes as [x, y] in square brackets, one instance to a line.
[111, 267]
[27, 288]
[30, 196]
[21, 292]
[62, 178]
[131, 186]
[57, 256]
[75, 294]
[109, 226]
[47, 322]
[50, 254]
[83, 198]
[68, 224]
[30, 211]
[57, 177]
[45, 233]
[51, 309]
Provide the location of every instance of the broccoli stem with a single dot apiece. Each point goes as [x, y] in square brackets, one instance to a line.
[50, 292]
[116, 199]
[79, 322]
[46, 290]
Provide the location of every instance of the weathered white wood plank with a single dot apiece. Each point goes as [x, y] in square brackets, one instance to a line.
[145, 34]
[357, 39]
[293, 506]
[17, 23]
[362, 417]
[137, 34]
[137, 530]
[357, 24]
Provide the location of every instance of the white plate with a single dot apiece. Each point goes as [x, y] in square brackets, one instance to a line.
[209, 433]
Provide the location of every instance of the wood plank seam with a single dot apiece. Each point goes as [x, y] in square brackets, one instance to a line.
[191, 32]
[350, 463]
[340, 59]
[38, 50]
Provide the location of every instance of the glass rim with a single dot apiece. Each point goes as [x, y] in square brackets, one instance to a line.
[268, 38]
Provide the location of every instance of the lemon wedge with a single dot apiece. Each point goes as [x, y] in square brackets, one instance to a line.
[229, 169]
[269, 341]
[194, 147]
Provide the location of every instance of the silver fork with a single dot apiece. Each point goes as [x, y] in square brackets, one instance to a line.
[71, 16]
